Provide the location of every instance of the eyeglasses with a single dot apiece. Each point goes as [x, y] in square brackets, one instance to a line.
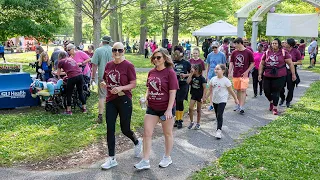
[156, 57]
[68, 50]
[119, 50]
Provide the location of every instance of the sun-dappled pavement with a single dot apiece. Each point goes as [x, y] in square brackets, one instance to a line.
[192, 150]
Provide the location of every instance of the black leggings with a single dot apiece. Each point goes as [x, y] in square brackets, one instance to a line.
[255, 74]
[290, 87]
[272, 88]
[122, 106]
[146, 53]
[181, 95]
[219, 109]
[78, 81]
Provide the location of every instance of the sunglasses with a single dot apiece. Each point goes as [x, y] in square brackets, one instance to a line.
[68, 50]
[156, 57]
[214, 47]
[119, 50]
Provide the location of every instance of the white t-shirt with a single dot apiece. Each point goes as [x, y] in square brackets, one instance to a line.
[314, 45]
[220, 89]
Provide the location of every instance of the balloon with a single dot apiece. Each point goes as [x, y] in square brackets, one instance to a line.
[273, 9]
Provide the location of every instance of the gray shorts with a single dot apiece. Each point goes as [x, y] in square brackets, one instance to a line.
[102, 92]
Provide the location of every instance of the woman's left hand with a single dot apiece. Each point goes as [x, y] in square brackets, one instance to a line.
[116, 90]
[168, 114]
[294, 77]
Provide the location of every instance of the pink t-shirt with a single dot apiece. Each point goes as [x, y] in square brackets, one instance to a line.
[199, 61]
[257, 59]
[70, 67]
[159, 84]
[241, 61]
[81, 56]
[116, 75]
[277, 60]
[146, 44]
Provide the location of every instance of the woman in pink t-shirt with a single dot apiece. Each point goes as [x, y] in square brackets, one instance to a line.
[119, 79]
[197, 60]
[81, 58]
[162, 85]
[257, 59]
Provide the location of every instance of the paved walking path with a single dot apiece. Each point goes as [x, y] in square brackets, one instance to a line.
[192, 149]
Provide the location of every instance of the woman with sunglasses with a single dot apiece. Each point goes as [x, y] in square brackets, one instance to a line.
[81, 58]
[273, 65]
[182, 69]
[162, 85]
[119, 79]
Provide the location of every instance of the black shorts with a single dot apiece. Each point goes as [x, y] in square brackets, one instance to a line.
[196, 97]
[159, 113]
[313, 56]
[182, 92]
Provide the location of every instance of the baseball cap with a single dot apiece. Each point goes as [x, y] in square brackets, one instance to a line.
[215, 44]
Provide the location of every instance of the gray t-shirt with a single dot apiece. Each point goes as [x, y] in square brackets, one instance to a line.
[314, 45]
[101, 57]
[54, 58]
[220, 92]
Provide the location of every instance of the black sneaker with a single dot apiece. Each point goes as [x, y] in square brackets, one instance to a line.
[288, 105]
[99, 119]
[175, 123]
[261, 93]
[179, 125]
[241, 111]
[281, 102]
[255, 95]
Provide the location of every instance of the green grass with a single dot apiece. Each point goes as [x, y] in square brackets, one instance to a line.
[287, 148]
[139, 61]
[32, 135]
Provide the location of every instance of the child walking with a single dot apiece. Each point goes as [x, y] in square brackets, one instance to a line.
[198, 88]
[220, 87]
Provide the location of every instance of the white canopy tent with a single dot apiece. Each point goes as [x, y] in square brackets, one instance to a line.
[219, 28]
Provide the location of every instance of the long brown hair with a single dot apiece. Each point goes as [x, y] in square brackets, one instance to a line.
[42, 56]
[165, 54]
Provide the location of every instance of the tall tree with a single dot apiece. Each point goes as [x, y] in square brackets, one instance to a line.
[77, 33]
[176, 21]
[143, 25]
[37, 18]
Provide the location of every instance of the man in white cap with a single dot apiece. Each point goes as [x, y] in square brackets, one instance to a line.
[101, 56]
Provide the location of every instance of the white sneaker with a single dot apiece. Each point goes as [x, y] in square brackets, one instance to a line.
[143, 164]
[111, 162]
[236, 108]
[165, 162]
[218, 134]
[138, 148]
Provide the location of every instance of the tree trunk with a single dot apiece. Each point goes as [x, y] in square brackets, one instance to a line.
[96, 23]
[197, 40]
[175, 38]
[77, 37]
[143, 28]
[114, 24]
[165, 24]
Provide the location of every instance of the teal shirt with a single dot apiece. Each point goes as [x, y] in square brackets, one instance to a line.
[101, 57]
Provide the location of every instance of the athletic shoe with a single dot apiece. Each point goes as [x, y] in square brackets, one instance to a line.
[165, 162]
[281, 102]
[236, 108]
[197, 127]
[218, 134]
[275, 112]
[241, 111]
[210, 108]
[138, 148]
[261, 93]
[143, 164]
[84, 110]
[288, 105]
[270, 106]
[111, 162]
[179, 125]
[99, 119]
[191, 125]
[67, 113]
[175, 123]
[255, 95]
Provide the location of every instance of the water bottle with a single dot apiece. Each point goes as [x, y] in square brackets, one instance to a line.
[143, 103]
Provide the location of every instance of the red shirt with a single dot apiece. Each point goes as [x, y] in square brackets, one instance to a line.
[241, 61]
[89, 54]
[199, 61]
[159, 84]
[70, 67]
[116, 75]
[277, 60]
[295, 55]
[226, 50]
[248, 47]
